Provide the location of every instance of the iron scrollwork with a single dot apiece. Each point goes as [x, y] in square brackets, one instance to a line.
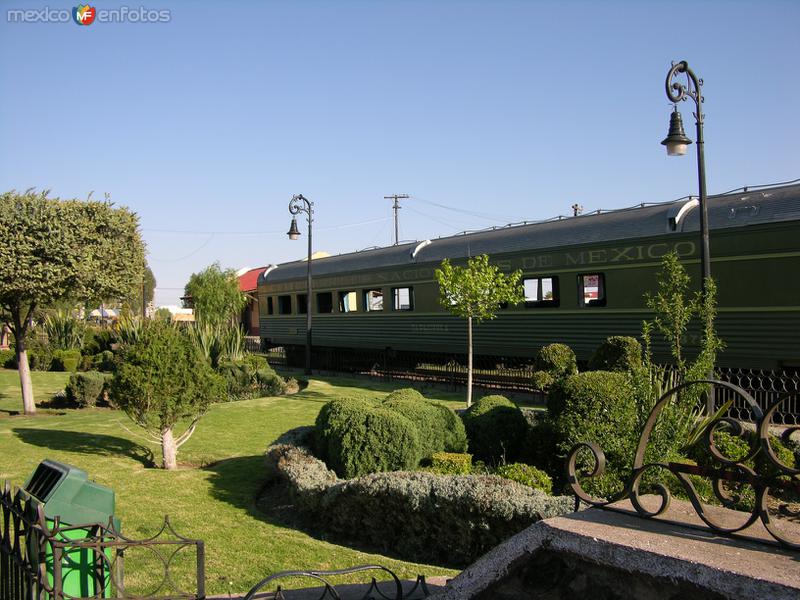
[771, 486]
[322, 578]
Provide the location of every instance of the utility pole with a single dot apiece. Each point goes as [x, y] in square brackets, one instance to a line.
[396, 207]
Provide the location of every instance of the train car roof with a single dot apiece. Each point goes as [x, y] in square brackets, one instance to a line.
[733, 209]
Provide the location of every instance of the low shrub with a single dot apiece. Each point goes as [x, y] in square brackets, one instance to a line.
[439, 428]
[420, 516]
[256, 361]
[617, 353]
[86, 389]
[268, 382]
[597, 406]
[65, 360]
[495, 429]
[97, 340]
[250, 377]
[450, 463]
[104, 361]
[526, 475]
[8, 359]
[40, 355]
[736, 448]
[358, 436]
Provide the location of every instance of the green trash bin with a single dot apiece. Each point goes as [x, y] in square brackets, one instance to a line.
[66, 492]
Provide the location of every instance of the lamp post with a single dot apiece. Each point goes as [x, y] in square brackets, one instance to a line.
[677, 142]
[298, 204]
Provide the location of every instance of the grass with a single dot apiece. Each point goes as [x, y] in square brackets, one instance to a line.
[212, 496]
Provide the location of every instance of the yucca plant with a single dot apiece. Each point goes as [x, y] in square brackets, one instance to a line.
[64, 332]
[129, 330]
[231, 343]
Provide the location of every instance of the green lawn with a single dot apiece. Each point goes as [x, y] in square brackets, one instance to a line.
[212, 497]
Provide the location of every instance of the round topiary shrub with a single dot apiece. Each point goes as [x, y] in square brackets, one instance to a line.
[439, 428]
[553, 363]
[357, 436]
[86, 389]
[617, 353]
[495, 429]
[558, 359]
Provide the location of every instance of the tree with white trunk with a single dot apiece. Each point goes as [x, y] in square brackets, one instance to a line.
[163, 384]
[53, 250]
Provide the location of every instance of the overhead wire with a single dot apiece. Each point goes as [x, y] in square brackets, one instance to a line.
[259, 233]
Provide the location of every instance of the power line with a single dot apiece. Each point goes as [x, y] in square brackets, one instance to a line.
[471, 213]
[259, 233]
[396, 207]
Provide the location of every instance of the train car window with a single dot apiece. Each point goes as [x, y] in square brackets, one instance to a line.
[325, 302]
[347, 301]
[403, 298]
[373, 300]
[284, 305]
[302, 304]
[541, 291]
[270, 309]
[591, 289]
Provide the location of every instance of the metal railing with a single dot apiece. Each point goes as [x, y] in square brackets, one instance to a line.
[742, 491]
[38, 555]
[390, 589]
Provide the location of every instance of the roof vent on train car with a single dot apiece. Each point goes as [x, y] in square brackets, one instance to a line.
[263, 277]
[751, 210]
[677, 214]
[419, 247]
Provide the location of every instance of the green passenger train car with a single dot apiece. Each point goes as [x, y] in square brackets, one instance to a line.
[585, 278]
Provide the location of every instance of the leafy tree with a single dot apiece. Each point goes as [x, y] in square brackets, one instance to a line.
[476, 292]
[215, 295]
[55, 249]
[163, 379]
[675, 308]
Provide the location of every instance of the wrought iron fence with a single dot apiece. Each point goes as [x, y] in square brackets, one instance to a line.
[766, 387]
[516, 374]
[42, 559]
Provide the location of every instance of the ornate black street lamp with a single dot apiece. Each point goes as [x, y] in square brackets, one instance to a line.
[298, 204]
[677, 142]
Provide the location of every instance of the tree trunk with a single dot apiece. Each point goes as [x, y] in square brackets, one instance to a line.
[28, 405]
[169, 450]
[469, 362]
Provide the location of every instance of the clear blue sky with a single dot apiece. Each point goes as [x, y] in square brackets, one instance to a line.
[512, 110]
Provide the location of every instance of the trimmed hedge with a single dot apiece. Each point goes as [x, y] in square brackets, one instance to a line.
[439, 428]
[495, 428]
[526, 475]
[421, 516]
[451, 463]
[8, 359]
[597, 406]
[86, 389]
[104, 361]
[357, 436]
[250, 377]
[617, 353]
[65, 360]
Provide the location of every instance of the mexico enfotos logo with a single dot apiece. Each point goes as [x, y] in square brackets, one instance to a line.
[85, 14]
